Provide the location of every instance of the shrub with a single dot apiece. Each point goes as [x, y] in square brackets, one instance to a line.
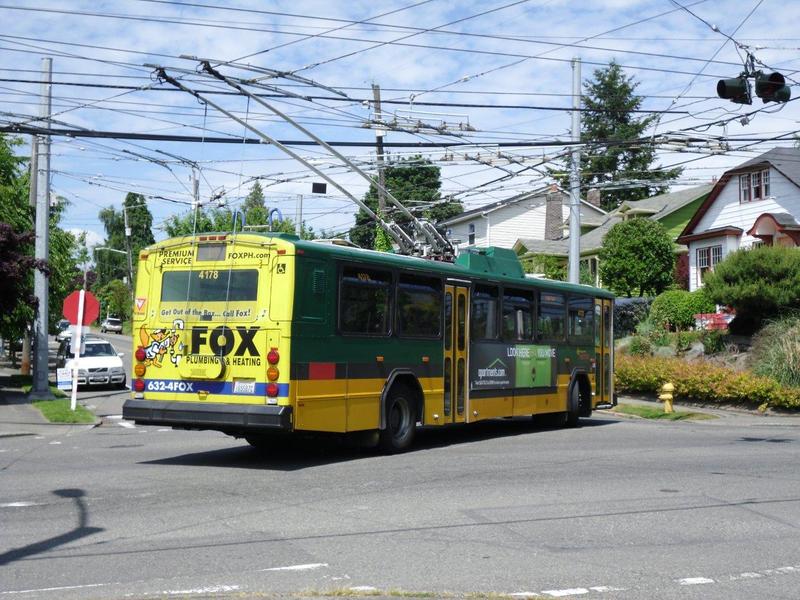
[703, 381]
[714, 341]
[759, 284]
[628, 313]
[685, 339]
[776, 351]
[640, 346]
[676, 308]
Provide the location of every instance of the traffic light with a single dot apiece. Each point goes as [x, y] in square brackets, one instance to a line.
[771, 87]
[736, 89]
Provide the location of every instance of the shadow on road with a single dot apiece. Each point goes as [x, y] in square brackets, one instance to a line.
[300, 451]
[82, 530]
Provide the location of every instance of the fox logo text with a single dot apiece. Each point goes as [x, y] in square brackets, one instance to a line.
[221, 341]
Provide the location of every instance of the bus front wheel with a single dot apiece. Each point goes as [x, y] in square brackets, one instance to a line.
[401, 421]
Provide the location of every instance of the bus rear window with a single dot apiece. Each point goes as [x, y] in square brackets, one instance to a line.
[210, 285]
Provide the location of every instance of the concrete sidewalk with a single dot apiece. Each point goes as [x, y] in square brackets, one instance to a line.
[18, 416]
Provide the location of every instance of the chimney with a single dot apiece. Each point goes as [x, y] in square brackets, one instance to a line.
[593, 197]
[553, 218]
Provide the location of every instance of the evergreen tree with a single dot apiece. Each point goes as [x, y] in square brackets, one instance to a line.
[255, 199]
[415, 182]
[608, 127]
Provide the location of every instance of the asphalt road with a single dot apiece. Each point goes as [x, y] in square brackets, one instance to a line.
[616, 509]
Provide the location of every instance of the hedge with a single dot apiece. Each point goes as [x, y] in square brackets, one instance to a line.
[702, 381]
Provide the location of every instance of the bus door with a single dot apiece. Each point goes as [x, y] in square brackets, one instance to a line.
[456, 309]
[603, 343]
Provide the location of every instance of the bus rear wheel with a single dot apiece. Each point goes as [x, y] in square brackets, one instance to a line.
[574, 407]
[401, 421]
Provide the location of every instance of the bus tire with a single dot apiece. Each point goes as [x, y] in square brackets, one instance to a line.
[574, 406]
[401, 421]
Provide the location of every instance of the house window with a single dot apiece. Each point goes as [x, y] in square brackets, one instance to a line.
[707, 258]
[471, 232]
[754, 186]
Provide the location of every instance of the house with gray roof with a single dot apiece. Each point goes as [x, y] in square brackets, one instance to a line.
[757, 202]
[672, 210]
[540, 214]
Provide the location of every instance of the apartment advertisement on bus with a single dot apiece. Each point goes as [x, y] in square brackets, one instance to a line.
[495, 366]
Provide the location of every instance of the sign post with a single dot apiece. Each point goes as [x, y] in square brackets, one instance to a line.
[81, 308]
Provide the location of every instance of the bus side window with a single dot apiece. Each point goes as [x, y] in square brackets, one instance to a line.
[364, 296]
[484, 313]
[419, 306]
[551, 322]
[517, 315]
[581, 319]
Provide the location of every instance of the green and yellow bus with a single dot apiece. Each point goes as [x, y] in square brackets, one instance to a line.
[258, 334]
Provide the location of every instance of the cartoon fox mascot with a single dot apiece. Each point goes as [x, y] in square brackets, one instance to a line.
[159, 342]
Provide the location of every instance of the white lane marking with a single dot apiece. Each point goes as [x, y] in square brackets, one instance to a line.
[567, 592]
[55, 443]
[20, 504]
[307, 567]
[695, 581]
[56, 589]
[363, 588]
[127, 424]
[524, 594]
[213, 589]
[166, 429]
[115, 417]
[606, 588]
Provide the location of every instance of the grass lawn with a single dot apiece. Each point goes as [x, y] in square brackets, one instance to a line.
[648, 412]
[58, 411]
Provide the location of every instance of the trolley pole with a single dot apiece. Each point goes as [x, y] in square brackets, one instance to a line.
[575, 178]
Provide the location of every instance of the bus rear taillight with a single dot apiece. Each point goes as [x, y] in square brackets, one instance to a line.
[140, 354]
[273, 357]
[138, 385]
[272, 390]
[273, 373]
[140, 369]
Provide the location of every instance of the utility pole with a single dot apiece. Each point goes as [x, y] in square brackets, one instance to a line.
[298, 227]
[41, 288]
[380, 131]
[128, 247]
[575, 178]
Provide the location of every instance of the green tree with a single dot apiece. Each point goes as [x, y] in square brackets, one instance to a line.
[637, 258]
[115, 299]
[255, 199]
[221, 220]
[415, 182]
[759, 284]
[17, 263]
[112, 265]
[610, 128]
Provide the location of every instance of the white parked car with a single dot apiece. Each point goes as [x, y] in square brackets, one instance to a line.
[99, 364]
[111, 324]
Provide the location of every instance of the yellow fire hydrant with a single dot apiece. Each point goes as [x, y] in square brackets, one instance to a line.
[666, 396]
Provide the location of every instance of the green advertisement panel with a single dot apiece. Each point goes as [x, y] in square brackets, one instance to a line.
[501, 366]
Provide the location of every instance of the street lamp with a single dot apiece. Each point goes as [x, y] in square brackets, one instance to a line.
[130, 267]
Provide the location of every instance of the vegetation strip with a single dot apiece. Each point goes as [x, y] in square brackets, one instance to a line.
[651, 412]
[59, 411]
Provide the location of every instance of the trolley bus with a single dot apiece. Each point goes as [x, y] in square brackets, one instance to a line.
[259, 334]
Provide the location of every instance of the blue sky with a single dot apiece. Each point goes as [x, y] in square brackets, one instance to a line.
[498, 54]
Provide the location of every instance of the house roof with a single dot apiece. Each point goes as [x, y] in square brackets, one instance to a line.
[784, 160]
[540, 195]
[655, 208]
